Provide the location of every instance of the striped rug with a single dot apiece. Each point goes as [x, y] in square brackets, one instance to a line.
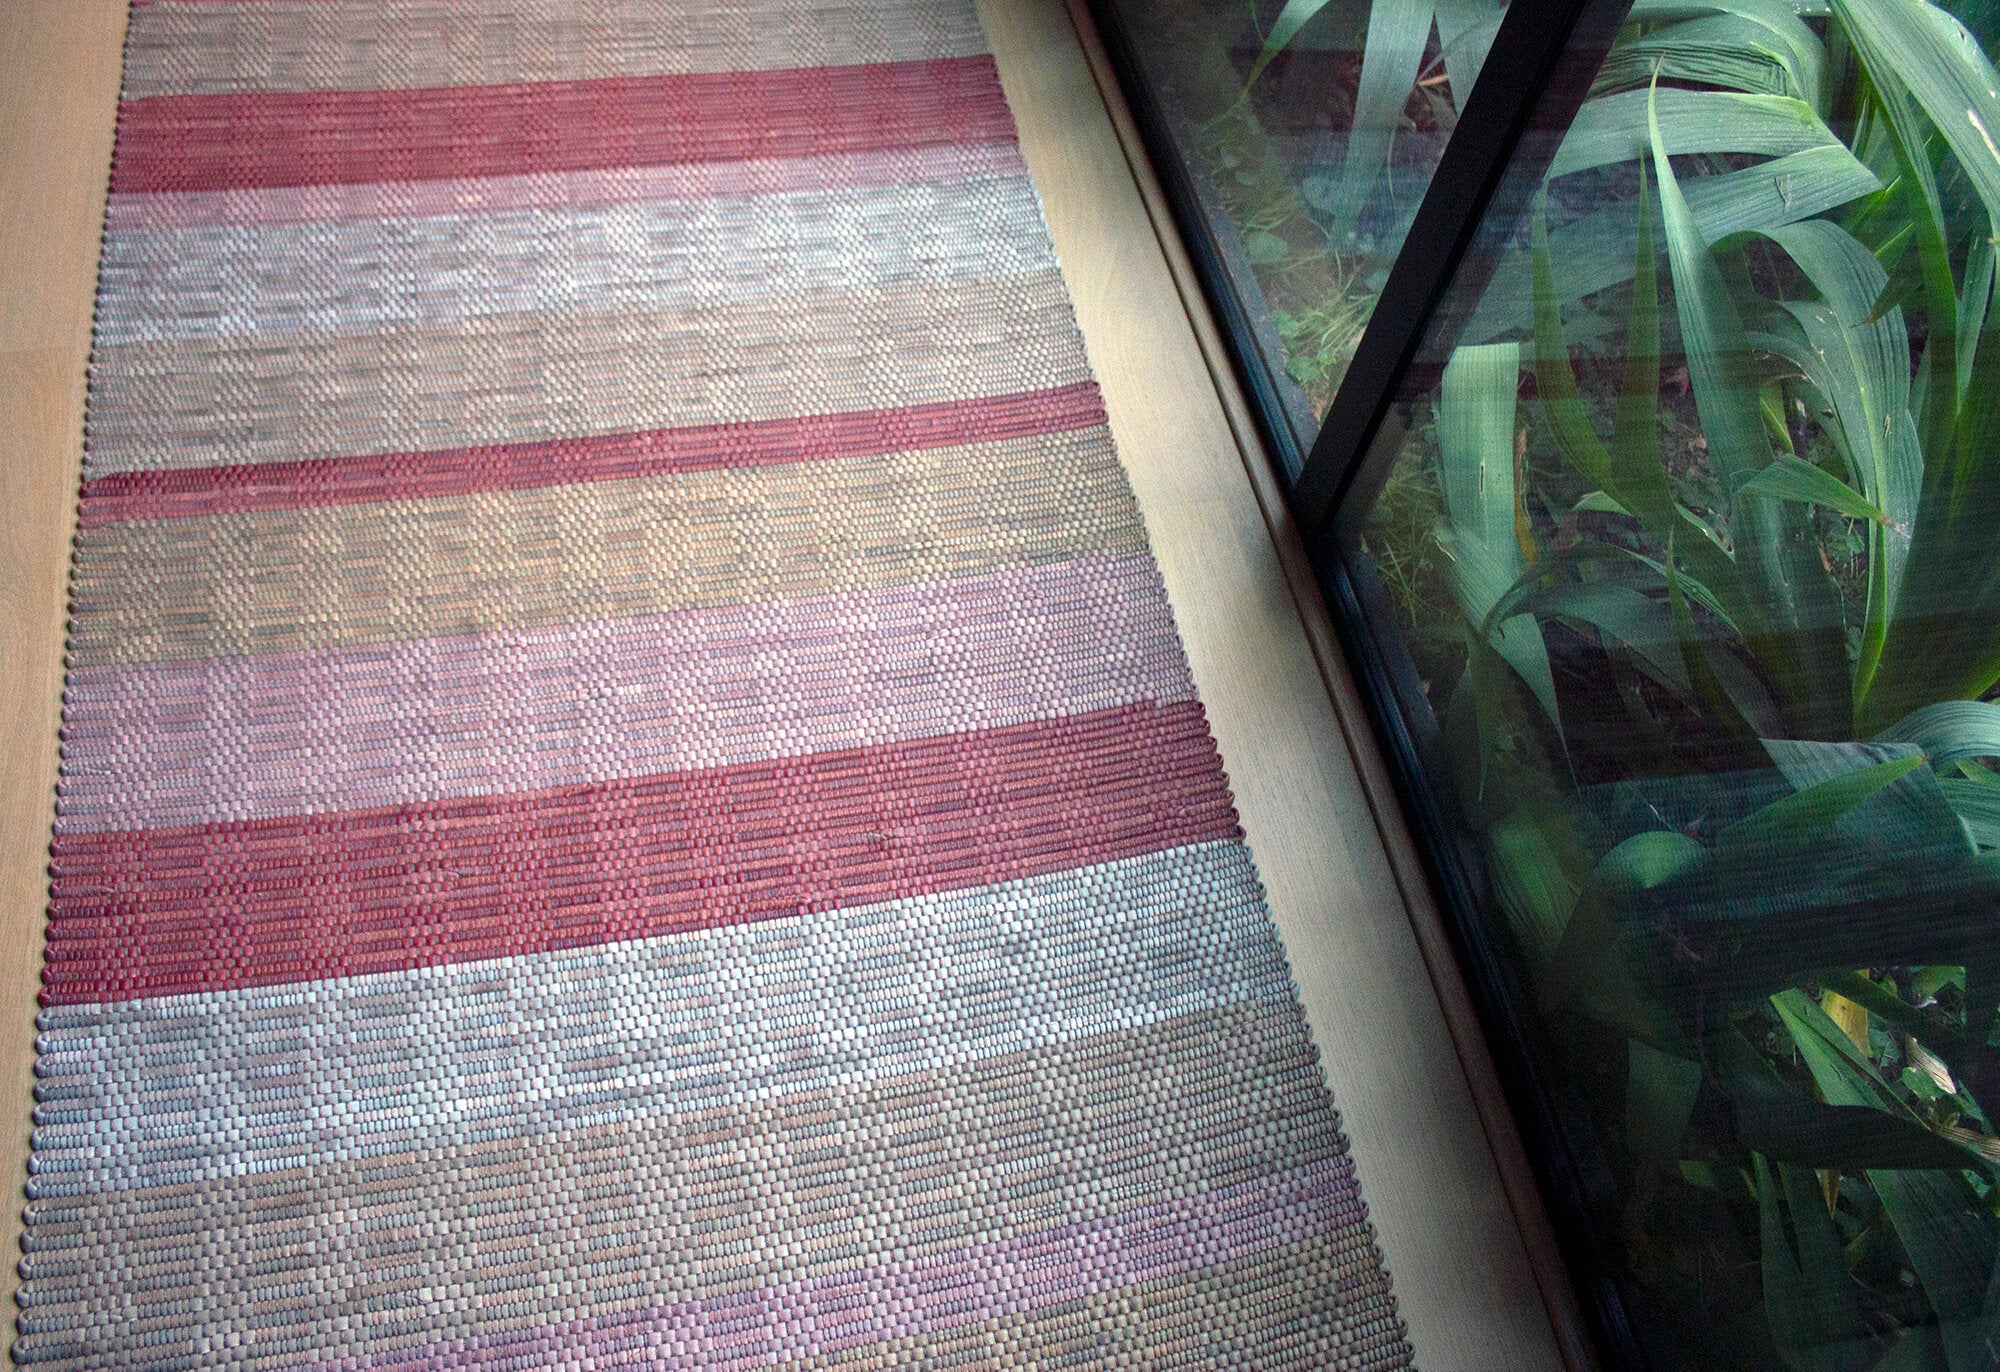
[630, 795]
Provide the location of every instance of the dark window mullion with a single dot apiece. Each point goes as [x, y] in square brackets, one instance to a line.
[1543, 60]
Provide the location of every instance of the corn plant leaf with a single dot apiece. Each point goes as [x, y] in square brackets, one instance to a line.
[1973, 300]
[1791, 595]
[1590, 973]
[1649, 860]
[1798, 49]
[1949, 731]
[1811, 1304]
[1599, 502]
[1722, 50]
[1660, 1092]
[1291, 19]
[1952, 1242]
[1720, 366]
[1860, 365]
[1978, 807]
[1941, 1035]
[1583, 552]
[1593, 252]
[1945, 639]
[1905, 132]
[1466, 29]
[1635, 428]
[1638, 483]
[1852, 1134]
[1908, 820]
[1612, 128]
[1701, 674]
[1805, 816]
[1942, 66]
[1791, 478]
[1475, 427]
[1625, 615]
[1392, 55]
[1536, 887]
[1852, 1138]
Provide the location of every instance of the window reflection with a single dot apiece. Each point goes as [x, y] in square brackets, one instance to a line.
[1692, 544]
[1311, 129]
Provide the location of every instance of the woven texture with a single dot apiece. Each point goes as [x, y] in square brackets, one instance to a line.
[630, 795]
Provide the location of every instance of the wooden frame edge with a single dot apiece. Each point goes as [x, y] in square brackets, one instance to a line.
[1434, 944]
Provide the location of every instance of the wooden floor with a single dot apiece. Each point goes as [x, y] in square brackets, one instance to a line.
[1439, 1163]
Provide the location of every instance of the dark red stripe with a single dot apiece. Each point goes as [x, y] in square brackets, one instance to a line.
[604, 457]
[302, 898]
[316, 138]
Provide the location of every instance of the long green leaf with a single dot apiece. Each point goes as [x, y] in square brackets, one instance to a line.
[1978, 807]
[1466, 29]
[1594, 252]
[1701, 673]
[1940, 1035]
[1952, 1243]
[1398, 33]
[1803, 54]
[1613, 128]
[1722, 50]
[1804, 817]
[1860, 365]
[1973, 300]
[1625, 616]
[1909, 825]
[1641, 483]
[1813, 1306]
[1635, 428]
[1536, 888]
[1660, 1091]
[1945, 640]
[1943, 67]
[1906, 132]
[1524, 596]
[1949, 731]
[1728, 398]
[1475, 427]
[1724, 375]
[1791, 478]
[1291, 19]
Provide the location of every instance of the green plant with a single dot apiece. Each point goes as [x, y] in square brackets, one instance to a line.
[1392, 60]
[1722, 722]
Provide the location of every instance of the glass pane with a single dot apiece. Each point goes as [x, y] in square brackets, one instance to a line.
[1310, 130]
[1691, 534]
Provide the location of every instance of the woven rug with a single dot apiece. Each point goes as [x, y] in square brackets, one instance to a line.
[630, 795]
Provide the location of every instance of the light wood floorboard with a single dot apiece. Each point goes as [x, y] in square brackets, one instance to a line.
[59, 67]
[1415, 1091]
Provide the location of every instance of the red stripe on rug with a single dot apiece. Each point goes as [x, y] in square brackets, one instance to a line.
[193, 491]
[306, 898]
[316, 138]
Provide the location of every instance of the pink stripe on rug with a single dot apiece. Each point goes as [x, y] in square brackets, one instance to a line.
[366, 201]
[193, 491]
[287, 138]
[407, 722]
[157, 912]
[819, 1316]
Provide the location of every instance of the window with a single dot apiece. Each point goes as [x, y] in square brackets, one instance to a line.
[1671, 547]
